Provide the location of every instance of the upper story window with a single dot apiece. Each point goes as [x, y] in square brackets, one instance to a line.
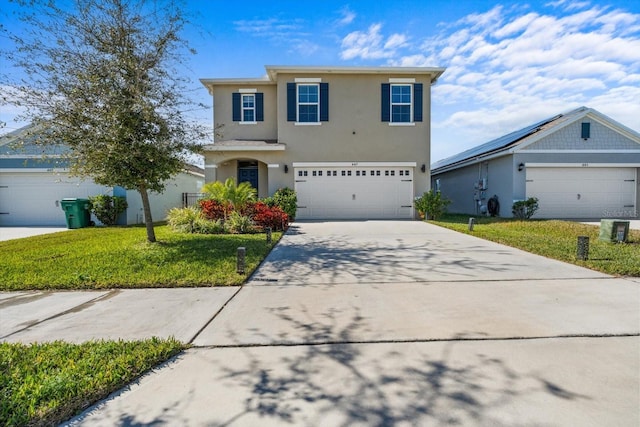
[248, 106]
[401, 102]
[308, 101]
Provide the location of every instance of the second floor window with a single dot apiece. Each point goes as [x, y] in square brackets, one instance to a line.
[401, 103]
[248, 108]
[308, 103]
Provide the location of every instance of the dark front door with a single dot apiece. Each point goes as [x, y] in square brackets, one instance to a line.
[248, 172]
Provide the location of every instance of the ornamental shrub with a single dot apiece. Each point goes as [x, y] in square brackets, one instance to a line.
[228, 192]
[107, 208]
[287, 200]
[240, 224]
[431, 205]
[525, 209]
[269, 216]
[215, 210]
[183, 219]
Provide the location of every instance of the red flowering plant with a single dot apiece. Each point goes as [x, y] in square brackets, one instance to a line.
[214, 210]
[266, 216]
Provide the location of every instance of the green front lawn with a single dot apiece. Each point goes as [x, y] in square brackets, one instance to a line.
[555, 239]
[46, 384]
[101, 257]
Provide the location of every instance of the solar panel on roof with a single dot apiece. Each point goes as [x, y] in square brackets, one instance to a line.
[493, 145]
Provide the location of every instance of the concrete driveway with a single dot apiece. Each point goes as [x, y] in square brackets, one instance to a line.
[375, 323]
[10, 233]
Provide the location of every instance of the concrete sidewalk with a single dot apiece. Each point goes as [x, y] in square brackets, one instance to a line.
[370, 323]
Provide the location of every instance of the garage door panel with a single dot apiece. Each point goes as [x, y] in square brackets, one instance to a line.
[34, 198]
[582, 192]
[354, 192]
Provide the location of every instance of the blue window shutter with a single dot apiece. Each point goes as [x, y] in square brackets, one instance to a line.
[586, 130]
[237, 112]
[417, 102]
[385, 106]
[324, 102]
[291, 102]
[259, 107]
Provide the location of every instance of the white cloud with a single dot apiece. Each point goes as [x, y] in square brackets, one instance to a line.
[347, 16]
[507, 69]
[371, 44]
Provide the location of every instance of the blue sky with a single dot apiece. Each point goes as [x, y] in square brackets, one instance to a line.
[509, 64]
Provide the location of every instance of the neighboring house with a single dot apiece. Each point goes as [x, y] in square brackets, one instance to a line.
[354, 142]
[581, 164]
[33, 180]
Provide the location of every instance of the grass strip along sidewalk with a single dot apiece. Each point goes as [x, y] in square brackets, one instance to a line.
[100, 257]
[45, 384]
[555, 239]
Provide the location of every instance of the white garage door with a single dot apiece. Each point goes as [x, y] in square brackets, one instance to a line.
[583, 192]
[354, 192]
[34, 198]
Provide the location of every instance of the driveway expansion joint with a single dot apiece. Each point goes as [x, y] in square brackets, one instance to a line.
[409, 341]
[199, 331]
[104, 294]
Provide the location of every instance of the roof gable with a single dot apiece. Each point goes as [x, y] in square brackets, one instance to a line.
[24, 142]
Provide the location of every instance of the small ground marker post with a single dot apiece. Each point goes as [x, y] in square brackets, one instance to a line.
[241, 260]
[268, 230]
[583, 248]
[472, 222]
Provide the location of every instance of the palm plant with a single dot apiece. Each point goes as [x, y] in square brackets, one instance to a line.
[228, 192]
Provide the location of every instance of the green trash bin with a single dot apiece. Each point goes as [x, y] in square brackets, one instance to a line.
[77, 212]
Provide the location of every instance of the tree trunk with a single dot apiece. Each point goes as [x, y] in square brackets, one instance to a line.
[146, 207]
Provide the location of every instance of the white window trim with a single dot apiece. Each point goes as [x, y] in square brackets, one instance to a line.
[252, 90]
[243, 109]
[307, 80]
[401, 80]
[298, 104]
[391, 104]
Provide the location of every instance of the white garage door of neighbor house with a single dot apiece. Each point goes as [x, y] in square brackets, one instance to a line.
[354, 192]
[28, 198]
[583, 192]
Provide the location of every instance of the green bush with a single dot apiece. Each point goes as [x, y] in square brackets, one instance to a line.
[107, 208]
[191, 220]
[286, 199]
[525, 209]
[183, 219]
[431, 205]
[208, 226]
[239, 224]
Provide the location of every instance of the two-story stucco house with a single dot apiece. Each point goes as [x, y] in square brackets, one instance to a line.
[354, 142]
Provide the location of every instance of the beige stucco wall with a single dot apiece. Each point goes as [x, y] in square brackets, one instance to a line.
[227, 129]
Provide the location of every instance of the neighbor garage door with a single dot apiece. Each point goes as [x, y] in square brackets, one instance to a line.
[354, 192]
[34, 198]
[582, 192]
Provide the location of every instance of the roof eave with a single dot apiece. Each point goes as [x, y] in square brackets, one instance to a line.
[273, 70]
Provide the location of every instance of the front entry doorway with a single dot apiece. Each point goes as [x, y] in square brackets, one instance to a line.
[248, 172]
